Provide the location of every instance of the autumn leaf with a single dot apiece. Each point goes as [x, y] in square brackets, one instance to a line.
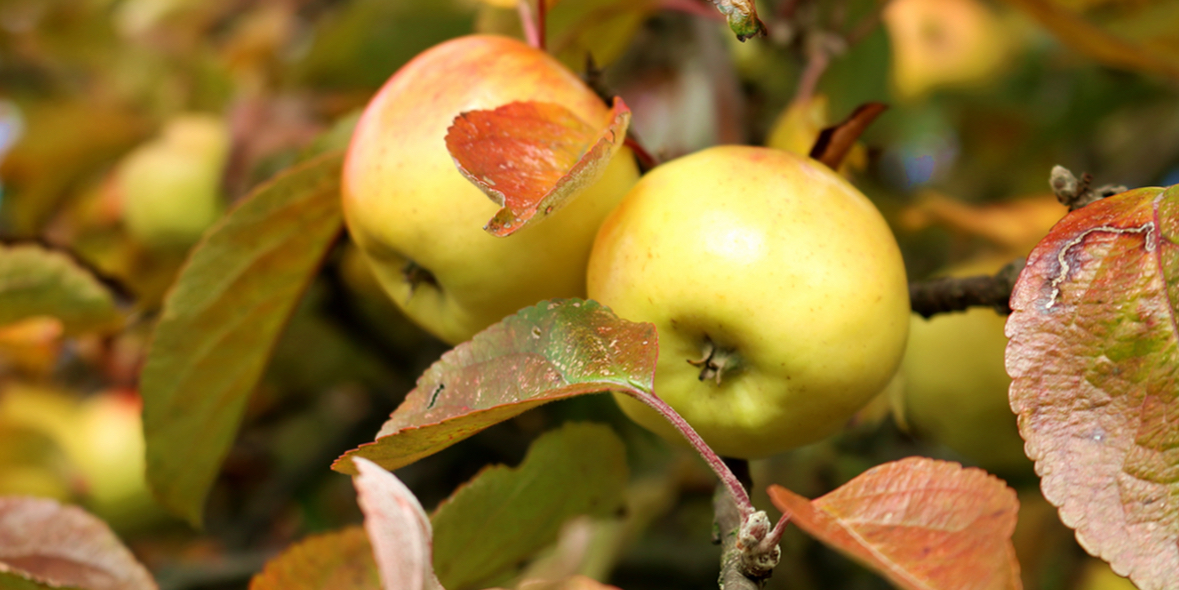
[50, 545]
[533, 157]
[836, 142]
[550, 351]
[35, 281]
[921, 523]
[1130, 37]
[220, 324]
[1094, 358]
[342, 560]
[505, 515]
[398, 529]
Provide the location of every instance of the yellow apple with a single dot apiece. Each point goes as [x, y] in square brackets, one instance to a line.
[956, 384]
[777, 289]
[419, 222]
[171, 186]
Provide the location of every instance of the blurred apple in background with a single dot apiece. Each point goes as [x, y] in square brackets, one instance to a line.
[171, 186]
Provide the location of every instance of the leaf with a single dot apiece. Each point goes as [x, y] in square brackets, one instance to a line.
[504, 516]
[57, 545]
[1113, 43]
[398, 529]
[570, 583]
[532, 157]
[15, 581]
[554, 350]
[835, 142]
[742, 17]
[342, 560]
[921, 523]
[1094, 358]
[35, 281]
[221, 321]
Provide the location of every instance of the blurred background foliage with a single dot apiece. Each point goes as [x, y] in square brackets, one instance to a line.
[127, 127]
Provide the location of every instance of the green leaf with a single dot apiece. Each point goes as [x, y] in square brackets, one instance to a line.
[1094, 361]
[504, 515]
[221, 321]
[35, 281]
[342, 560]
[550, 351]
[15, 581]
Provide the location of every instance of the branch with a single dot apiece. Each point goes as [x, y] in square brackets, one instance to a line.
[746, 561]
[1076, 193]
[947, 294]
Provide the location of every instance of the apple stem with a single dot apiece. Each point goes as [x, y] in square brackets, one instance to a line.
[730, 481]
[541, 9]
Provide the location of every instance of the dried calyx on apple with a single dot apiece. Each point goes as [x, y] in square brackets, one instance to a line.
[777, 289]
[419, 222]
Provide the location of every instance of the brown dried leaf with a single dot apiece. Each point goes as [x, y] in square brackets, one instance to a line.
[835, 142]
[533, 157]
[921, 523]
[1094, 358]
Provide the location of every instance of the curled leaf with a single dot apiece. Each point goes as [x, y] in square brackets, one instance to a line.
[1094, 358]
[550, 351]
[921, 523]
[45, 542]
[533, 157]
[398, 529]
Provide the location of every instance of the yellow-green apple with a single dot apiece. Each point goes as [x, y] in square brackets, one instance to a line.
[777, 289]
[419, 222]
[955, 389]
[171, 186]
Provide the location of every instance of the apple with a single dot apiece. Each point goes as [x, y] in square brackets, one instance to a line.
[419, 222]
[956, 384]
[171, 186]
[777, 289]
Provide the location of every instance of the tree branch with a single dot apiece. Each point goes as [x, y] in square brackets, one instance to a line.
[947, 294]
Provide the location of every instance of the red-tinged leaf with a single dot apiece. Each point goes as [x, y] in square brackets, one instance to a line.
[342, 560]
[550, 351]
[570, 583]
[1094, 358]
[835, 142]
[398, 529]
[54, 545]
[533, 158]
[220, 324]
[921, 523]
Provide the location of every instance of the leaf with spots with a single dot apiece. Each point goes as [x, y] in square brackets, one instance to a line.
[401, 535]
[553, 350]
[221, 321]
[532, 158]
[1094, 358]
[44, 544]
[342, 560]
[505, 515]
[923, 524]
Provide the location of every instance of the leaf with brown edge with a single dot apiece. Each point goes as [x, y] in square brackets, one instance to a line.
[533, 158]
[53, 545]
[835, 142]
[398, 529]
[552, 350]
[221, 321]
[923, 524]
[1094, 358]
[342, 560]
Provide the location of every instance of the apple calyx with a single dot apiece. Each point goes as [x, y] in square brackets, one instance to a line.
[416, 275]
[715, 361]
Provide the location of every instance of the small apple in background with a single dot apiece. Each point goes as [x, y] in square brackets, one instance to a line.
[419, 222]
[777, 289]
[171, 186]
[798, 126]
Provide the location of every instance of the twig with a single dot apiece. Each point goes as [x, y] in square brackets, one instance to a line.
[947, 294]
[1076, 193]
[742, 549]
